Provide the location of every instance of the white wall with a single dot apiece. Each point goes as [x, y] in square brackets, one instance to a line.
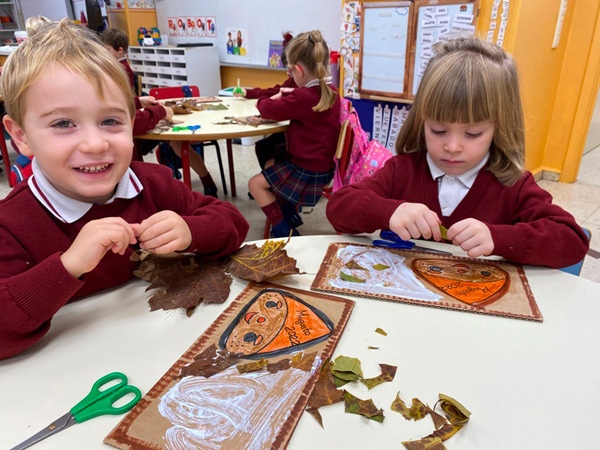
[263, 20]
[52, 9]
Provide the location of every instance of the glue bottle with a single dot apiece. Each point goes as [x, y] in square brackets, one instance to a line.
[238, 89]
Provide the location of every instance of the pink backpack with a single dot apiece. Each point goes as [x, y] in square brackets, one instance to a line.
[366, 157]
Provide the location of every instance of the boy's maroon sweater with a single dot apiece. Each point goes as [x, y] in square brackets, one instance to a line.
[34, 284]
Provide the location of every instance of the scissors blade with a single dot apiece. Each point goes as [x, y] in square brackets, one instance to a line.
[58, 425]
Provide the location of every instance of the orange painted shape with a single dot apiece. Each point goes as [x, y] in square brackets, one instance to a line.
[301, 325]
[476, 284]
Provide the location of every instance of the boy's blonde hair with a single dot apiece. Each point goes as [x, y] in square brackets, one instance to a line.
[65, 43]
[312, 51]
[33, 24]
[470, 80]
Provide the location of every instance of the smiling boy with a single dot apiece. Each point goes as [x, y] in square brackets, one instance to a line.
[70, 230]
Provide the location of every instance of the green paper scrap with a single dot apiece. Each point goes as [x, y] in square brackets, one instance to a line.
[380, 267]
[444, 231]
[346, 277]
[380, 331]
[367, 408]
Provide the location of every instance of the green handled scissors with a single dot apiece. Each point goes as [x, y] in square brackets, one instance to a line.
[96, 403]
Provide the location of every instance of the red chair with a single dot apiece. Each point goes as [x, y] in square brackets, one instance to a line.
[342, 154]
[180, 92]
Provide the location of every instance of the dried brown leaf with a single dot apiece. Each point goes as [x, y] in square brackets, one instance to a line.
[303, 361]
[282, 364]
[210, 362]
[367, 408]
[457, 413]
[418, 410]
[325, 391]
[387, 374]
[254, 366]
[259, 263]
[427, 443]
[380, 331]
[399, 406]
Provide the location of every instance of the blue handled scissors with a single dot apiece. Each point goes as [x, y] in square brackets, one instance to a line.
[390, 239]
[96, 403]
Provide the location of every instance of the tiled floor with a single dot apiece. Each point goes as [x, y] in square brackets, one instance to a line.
[582, 198]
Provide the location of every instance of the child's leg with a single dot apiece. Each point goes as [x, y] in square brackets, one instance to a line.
[197, 164]
[260, 190]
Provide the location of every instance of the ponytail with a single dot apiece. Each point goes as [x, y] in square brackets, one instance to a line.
[311, 50]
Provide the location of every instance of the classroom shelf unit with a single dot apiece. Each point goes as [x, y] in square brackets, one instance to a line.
[164, 66]
[10, 10]
[131, 15]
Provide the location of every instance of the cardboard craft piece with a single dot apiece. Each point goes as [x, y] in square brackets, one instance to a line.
[230, 409]
[407, 276]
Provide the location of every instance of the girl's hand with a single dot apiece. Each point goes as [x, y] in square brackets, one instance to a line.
[415, 220]
[473, 237]
[148, 100]
[93, 241]
[276, 96]
[285, 90]
[238, 94]
[163, 232]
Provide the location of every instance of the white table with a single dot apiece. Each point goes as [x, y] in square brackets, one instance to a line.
[529, 385]
[209, 131]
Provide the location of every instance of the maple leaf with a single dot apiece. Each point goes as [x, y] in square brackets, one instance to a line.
[210, 362]
[182, 280]
[367, 408]
[387, 374]
[255, 263]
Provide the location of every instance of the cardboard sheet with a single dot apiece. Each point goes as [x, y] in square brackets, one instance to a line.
[230, 409]
[451, 282]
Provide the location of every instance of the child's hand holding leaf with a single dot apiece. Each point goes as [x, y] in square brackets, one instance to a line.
[163, 232]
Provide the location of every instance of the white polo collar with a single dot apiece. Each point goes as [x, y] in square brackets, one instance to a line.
[467, 178]
[67, 209]
[315, 82]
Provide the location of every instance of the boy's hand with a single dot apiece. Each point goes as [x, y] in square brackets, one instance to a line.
[240, 94]
[414, 220]
[473, 236]
[93, 241]
[163, 232]
[147, 100]
[169, 116]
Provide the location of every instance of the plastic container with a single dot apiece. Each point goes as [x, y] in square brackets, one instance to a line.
[20, 36]
[334, 58]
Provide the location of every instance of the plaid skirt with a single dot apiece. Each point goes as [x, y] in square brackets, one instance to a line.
[297, 185]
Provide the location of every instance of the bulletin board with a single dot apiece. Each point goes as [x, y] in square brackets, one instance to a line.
[384, 48]
[434, 21]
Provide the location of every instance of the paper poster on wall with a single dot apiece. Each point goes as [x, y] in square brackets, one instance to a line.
[191, 26]
[237, 41]
[172, 21]
[181, 26]
[434, 23]
[385, 37]
[206, 26]
[275, 51]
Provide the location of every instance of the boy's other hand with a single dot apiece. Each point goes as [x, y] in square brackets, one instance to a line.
[415, 220]
[148, 100]
[163, 232]
[93, 241]
[169, 116]
[473, 236]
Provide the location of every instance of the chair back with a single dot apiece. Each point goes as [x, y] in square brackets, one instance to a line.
[138, 85]
[175, 92]
[342, 153]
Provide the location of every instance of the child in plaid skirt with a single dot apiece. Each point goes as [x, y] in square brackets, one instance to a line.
[313, 109]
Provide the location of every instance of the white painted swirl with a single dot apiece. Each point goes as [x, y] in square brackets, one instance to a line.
[398, 280]
[230, 410]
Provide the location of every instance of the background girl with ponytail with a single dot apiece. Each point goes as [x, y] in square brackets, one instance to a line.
[313, 109]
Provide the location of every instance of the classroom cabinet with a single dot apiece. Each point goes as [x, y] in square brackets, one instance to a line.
[164, 66]
[9, 22]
